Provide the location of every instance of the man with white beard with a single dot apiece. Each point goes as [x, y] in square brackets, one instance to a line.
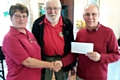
[54, 34]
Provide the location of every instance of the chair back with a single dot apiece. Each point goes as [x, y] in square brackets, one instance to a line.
[1, 54]
[2, 57]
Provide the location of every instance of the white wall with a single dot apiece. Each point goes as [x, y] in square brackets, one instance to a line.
[78, 11]
[110, 15]
[5, 21]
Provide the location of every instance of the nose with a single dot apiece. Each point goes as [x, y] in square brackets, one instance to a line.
[52, 11]
[90, 16]
[21, 18]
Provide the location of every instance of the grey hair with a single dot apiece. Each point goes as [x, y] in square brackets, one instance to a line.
[92, 5]
[59, 3]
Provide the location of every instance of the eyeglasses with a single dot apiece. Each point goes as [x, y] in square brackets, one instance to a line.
[50, 9]
[93, 14]
[20, 16]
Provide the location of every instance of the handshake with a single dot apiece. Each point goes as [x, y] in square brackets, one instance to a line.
[56, 65]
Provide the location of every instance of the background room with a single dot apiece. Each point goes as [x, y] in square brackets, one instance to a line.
[109, 16]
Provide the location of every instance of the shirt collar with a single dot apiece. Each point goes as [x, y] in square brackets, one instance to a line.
[14, 31]
[96, 29]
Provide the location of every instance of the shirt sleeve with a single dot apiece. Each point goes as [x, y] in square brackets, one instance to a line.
[13, 48]
[113, 53]
[69, 59]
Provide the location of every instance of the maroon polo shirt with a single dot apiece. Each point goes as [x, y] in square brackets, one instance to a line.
[53, 38]
[17, 47]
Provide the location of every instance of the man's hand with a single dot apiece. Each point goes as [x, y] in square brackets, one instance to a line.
[57, 66]
[95, 56]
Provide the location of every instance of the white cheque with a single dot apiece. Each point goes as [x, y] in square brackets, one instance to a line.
[81, 48]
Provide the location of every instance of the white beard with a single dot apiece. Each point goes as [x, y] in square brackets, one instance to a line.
[53, 19]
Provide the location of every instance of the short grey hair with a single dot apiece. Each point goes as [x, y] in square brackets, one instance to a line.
[59, 3]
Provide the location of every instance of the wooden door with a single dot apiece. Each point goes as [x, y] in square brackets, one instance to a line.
[70, 4]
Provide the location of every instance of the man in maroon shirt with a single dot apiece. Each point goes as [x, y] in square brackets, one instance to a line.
[54, 34]
[94, 65]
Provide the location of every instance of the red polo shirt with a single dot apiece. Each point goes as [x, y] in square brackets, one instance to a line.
[17, 47]
[53, 38]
